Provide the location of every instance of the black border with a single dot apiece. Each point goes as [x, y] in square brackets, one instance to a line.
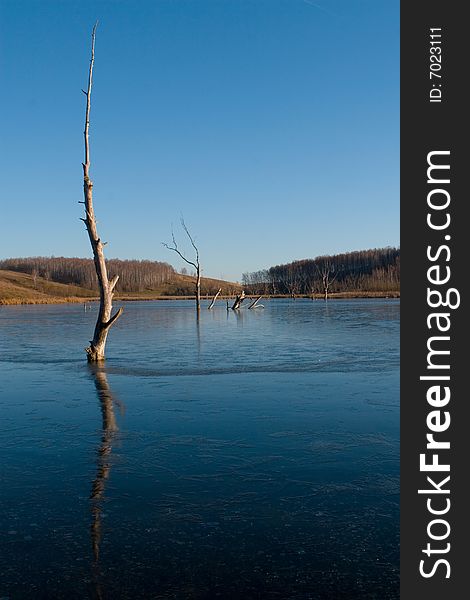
[426, 127]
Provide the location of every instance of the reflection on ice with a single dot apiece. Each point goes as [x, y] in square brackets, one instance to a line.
[109, 429]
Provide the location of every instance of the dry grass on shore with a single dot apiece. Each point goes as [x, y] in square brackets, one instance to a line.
[21, 288]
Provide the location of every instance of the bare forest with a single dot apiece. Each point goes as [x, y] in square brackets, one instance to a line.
[376, 270]
[134, 275]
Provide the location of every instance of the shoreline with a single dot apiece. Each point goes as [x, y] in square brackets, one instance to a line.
[135, 298]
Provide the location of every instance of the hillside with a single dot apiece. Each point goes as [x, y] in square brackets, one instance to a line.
[183, 286]
[23, 288]
[39, 280]
[372, 272]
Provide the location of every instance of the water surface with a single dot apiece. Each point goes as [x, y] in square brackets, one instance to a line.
[245, 455]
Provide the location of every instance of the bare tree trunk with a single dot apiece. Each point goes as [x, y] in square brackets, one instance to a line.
[326, 286]
[253, 304]
[238, 300]
[95, 351]
[215, 298]
[198, 288]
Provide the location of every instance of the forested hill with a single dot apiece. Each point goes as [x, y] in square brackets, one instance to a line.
[40, 278]
[134, 275]
[376, 270]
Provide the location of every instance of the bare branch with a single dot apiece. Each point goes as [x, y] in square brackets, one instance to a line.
[191, 239]
[88, 100]
[214, 299]
[114, 318]
[175, 249]
[112, 283]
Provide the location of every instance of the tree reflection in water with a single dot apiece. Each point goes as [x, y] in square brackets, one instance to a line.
[109, 430]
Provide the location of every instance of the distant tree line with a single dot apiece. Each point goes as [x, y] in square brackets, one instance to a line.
[364, 270]
[134, 275]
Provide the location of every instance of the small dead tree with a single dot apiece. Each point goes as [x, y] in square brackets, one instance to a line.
[238, 301]
[194, 263]
[95, 350]
[214, 298]
[254, 304]
[328, 273]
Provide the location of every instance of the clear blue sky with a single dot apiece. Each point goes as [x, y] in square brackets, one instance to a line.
[271, 125]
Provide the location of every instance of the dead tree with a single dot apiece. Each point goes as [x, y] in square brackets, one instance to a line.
[194, 263]
[238, 300]
[95, 350]
[214, 298]
[328, 273]
[255, 302]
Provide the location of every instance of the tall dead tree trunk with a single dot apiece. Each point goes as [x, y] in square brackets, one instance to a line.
[196, 264]
[214, 298]
[198, 287]
[95, 350]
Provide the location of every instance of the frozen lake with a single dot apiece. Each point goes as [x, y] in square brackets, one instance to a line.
[249, 455]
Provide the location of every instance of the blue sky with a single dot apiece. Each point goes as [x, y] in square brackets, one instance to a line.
[271, 125]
